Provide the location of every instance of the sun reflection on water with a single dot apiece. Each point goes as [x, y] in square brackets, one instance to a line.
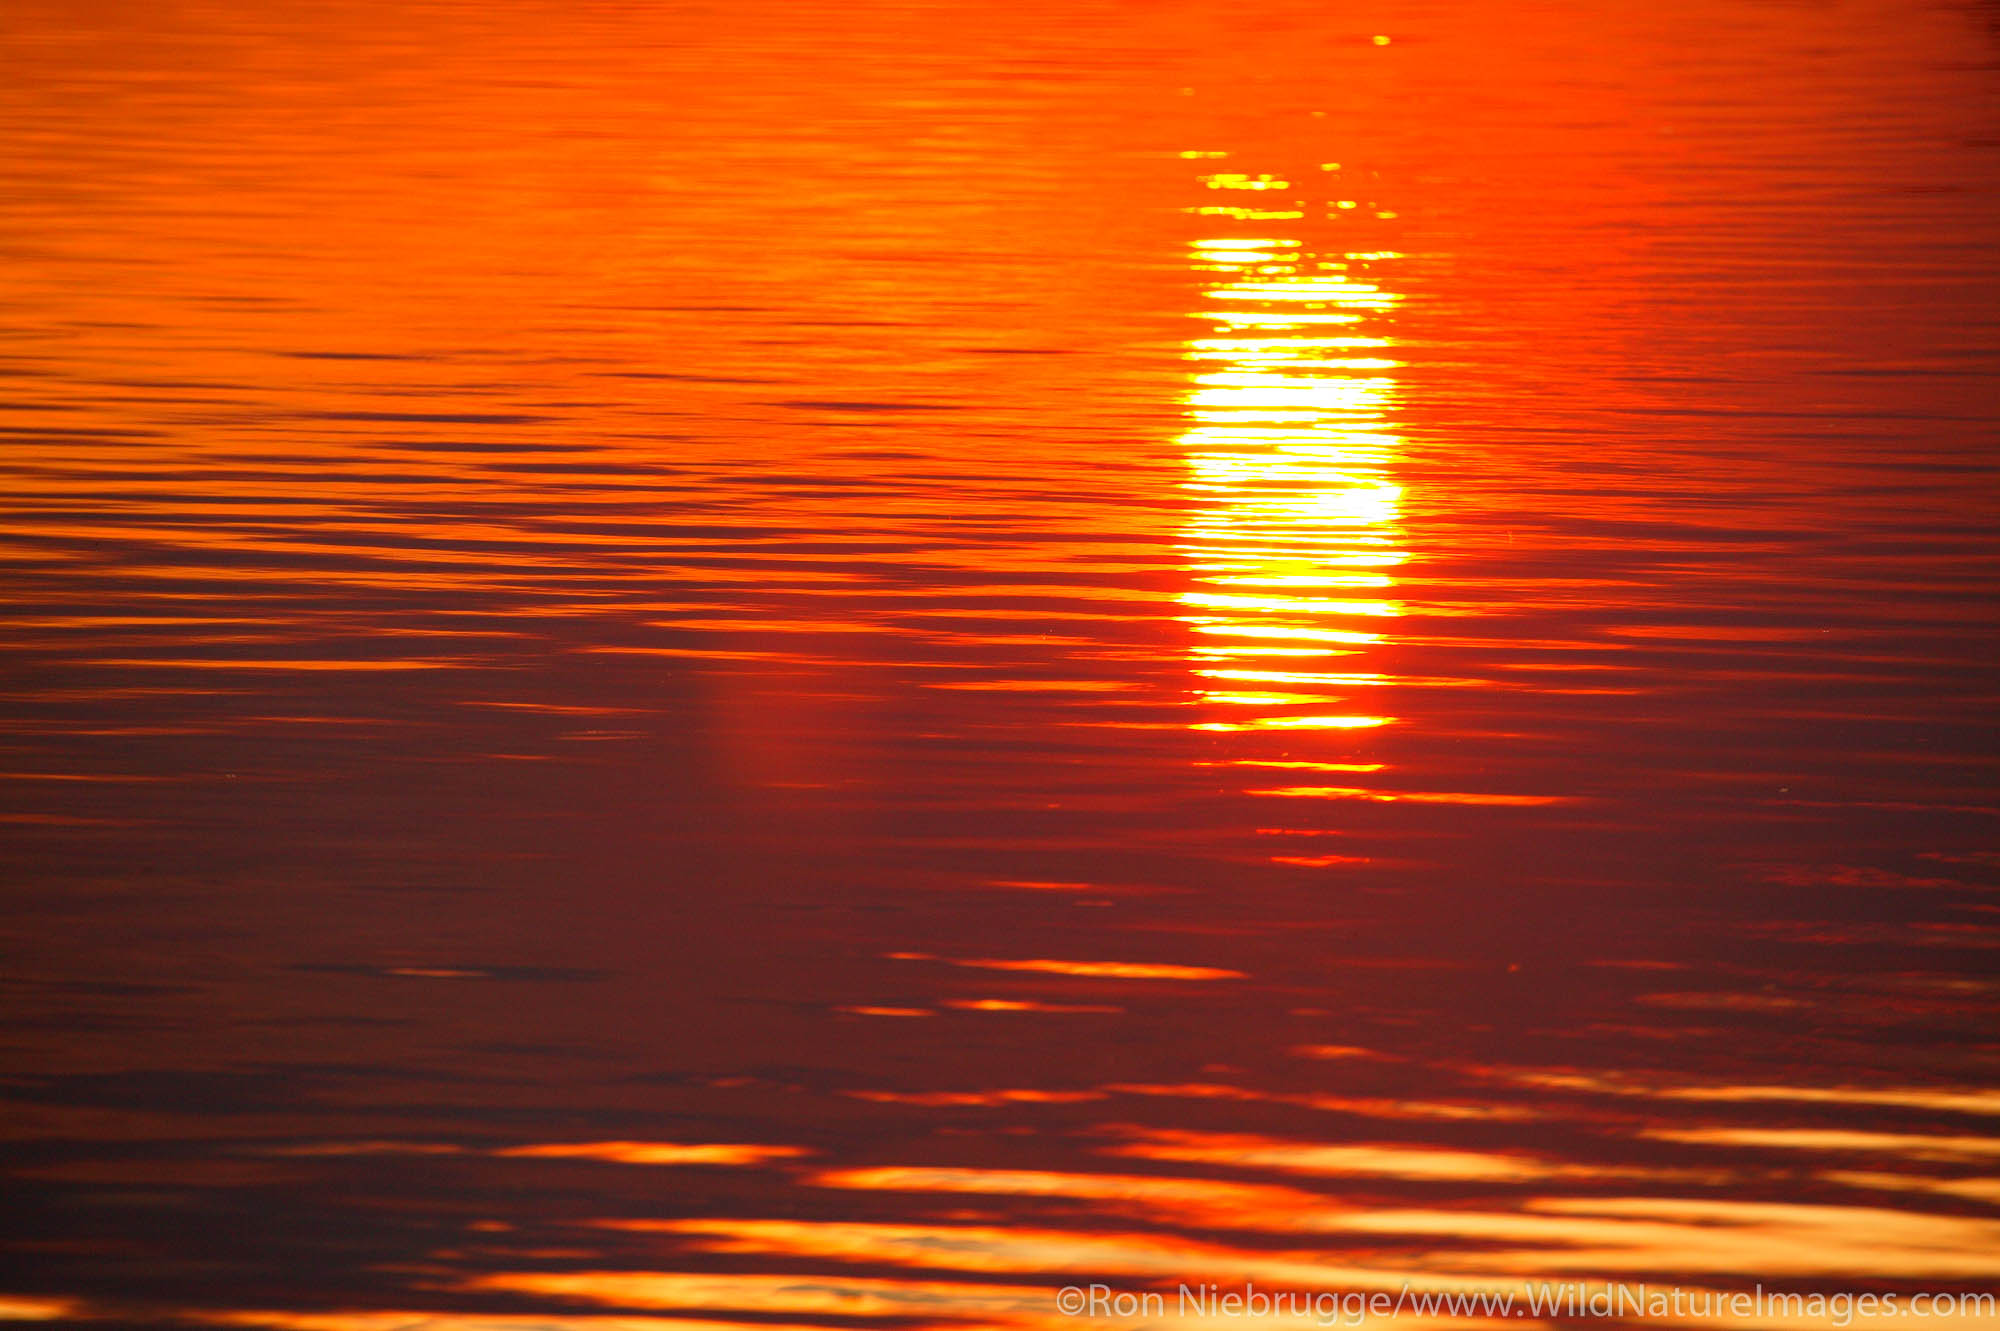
[1290, 453]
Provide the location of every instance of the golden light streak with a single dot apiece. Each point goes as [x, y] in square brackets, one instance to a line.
[656, 1153]
[1289, 447]
[1096, 970]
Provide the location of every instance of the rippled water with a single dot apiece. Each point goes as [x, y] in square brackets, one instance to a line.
[833, 666]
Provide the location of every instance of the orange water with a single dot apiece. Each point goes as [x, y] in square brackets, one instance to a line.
[834, 666]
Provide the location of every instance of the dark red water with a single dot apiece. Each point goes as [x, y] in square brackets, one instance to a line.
[836, 666]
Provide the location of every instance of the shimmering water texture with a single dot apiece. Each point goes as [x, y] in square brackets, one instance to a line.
[775, 665]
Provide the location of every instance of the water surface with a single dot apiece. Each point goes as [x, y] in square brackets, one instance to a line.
[834, 666]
